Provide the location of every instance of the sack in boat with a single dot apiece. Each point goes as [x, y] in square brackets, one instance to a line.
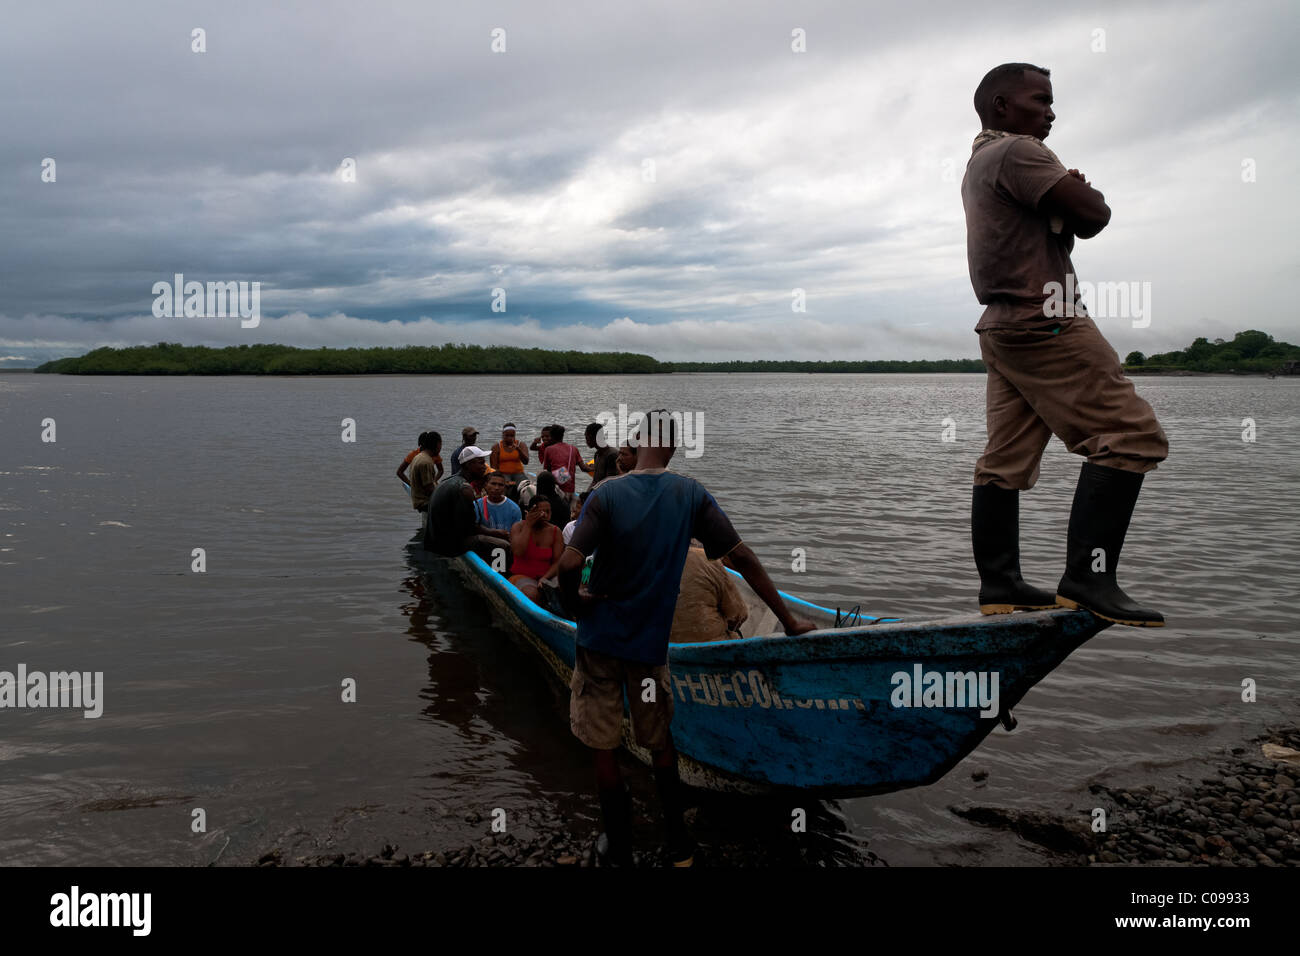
[527, 492]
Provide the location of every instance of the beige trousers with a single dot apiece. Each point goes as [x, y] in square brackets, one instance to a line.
[1069, 384]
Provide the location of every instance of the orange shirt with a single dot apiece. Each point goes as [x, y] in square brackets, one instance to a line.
[508, 459]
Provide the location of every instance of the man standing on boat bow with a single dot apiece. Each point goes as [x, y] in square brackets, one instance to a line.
[1050, 371]
[640, 526]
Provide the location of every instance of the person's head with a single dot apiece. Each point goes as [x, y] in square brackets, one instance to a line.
[419, 442]
[594, 437]
[557, 434]
[656, 438]
[468, 435]
[496, 487]
[626, 459]
[1016, 98]
[430, 442]
[508, 432]
[473, 462]
[546, 435]
[540, 508]
[545, 483]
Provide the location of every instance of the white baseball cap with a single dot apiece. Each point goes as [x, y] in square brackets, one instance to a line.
[472, 452]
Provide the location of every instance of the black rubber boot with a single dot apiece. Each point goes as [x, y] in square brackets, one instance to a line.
[679, 848]
[995, 538]
[614, 846]
[1103, 506]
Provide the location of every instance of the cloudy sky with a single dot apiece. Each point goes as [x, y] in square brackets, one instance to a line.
[655, 177]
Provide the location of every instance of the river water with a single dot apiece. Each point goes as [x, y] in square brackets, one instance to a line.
[222, 689]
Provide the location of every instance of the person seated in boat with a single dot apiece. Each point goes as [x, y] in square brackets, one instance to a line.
[509, 457]
[709, 605]
[494, 510]
[479, 484]
[569, 526]
[568, 581]
[640, 527]
[626, 460]
[536, 545]
[426, 469]
[559, 504]
[453, 527]
[605, 463]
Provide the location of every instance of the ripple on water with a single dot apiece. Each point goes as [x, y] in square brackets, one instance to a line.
[225, 687]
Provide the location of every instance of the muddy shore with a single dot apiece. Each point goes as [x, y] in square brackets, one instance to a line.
[1245, 811]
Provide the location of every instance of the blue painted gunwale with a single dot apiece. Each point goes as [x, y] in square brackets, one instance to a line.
[828, 727]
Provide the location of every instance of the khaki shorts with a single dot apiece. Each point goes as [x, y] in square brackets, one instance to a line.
[596, 704]
[1071, 385]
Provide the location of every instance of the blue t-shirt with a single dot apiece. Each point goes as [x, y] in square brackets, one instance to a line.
[648, 519]
[500, 517]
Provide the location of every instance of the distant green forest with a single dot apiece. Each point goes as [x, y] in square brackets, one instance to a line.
[173, 359]
[1249, 351]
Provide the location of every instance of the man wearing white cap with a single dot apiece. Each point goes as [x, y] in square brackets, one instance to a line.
[453, 526]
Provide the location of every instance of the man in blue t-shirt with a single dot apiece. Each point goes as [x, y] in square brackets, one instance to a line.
[494, 509]
[642, 524]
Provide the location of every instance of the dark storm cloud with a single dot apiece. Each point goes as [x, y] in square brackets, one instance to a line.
[834, 171]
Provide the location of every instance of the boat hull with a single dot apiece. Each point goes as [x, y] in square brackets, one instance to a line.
[827, 712]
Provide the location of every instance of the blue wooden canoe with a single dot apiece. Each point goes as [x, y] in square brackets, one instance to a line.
[826, 711]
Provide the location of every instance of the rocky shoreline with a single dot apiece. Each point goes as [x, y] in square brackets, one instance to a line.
[1246, 814]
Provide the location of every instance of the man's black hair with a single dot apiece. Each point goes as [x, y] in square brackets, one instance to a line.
[1000, 80]
[657, 417]
[592, 431]
[430, 440]
[545, 483]
[557, 432]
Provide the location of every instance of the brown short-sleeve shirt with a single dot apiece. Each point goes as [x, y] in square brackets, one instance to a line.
[423, 469]
[1011, 248]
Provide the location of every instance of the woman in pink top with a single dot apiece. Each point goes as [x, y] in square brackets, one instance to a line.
[536, 545]
[562, 460]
